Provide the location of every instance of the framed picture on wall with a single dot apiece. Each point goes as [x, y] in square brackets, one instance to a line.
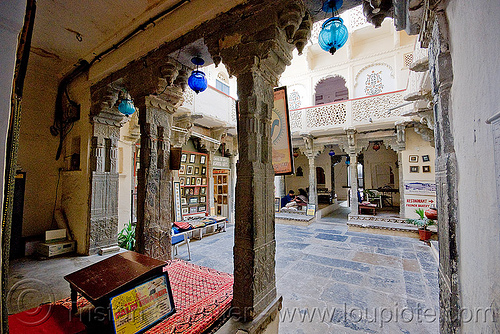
[413, 169]
[181, 170]
[193, 209]
[193, 180]
[203, 199]
[192, 158]
[189, 170]
[181, 179]
[188, 181]
[413, 158]
[204, 181]
[202, 159]
[185, 211]
[198, 181]
[203, 190]
[426, 169]
[425, 158]
[196, 190]
[183, 157]
[184, 201]
[196, 170]
[203, 170]
[201, 208]
[193, 200]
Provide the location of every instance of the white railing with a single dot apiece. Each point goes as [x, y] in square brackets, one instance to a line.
[212, 103]
[353, 19]
[348, 113]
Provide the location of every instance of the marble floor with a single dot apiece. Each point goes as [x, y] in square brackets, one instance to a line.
[332, 280]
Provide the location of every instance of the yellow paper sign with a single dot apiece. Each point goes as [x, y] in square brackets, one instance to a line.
[141, 307]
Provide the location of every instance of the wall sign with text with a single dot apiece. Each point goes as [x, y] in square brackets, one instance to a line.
[280, 134]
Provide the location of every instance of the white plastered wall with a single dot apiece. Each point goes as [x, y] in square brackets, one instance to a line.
[474, 98]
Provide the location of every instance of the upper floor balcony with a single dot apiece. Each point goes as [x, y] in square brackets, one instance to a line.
[211, 108]
[364, 113]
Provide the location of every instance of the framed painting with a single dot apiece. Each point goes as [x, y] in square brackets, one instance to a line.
[183, 157]
[192, 158]
[413, 158]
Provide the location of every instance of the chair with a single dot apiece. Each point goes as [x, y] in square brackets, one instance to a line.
[374, 196]
[178, 240]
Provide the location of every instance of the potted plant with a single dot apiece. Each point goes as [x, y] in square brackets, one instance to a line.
[422, 223]
[126, 237]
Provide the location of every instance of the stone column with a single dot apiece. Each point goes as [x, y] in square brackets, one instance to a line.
[441, 71]
[353, 168]
[311, 152]
[232, 189]
[279, 185]
[400, 147]
[103, 198]
[257, 60]
[154, 189]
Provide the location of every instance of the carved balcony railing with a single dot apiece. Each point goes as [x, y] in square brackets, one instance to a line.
[364, 111]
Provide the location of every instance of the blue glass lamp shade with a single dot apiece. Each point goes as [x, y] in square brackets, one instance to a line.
[333, 35]
[348, 161]
[126, 107]
[197, 81]
[331, 153]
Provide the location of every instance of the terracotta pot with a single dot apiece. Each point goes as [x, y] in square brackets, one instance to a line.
[431, 213]
[424, 234]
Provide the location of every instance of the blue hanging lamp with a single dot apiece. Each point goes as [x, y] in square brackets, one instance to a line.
[333, 34]
[331, 153]
[126, 105]
[197, 80]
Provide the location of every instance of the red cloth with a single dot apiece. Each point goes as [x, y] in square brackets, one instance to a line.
[183, 225]
[201, 296]
[45, 319]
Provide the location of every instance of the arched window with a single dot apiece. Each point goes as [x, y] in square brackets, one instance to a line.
[320, 176]
[330, 90]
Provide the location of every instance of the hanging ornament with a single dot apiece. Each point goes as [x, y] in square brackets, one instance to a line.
[197, 80]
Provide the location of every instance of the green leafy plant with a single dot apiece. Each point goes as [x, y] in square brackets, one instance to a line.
[422, 222]
[126, 237]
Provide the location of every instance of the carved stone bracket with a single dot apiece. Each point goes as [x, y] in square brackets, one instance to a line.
[312, 149]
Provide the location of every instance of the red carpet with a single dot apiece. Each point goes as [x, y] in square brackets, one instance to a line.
[201, 296]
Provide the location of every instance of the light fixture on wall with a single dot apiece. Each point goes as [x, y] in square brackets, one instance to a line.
[197, 80]
[348, 160]
[331, 153]
[376, 146]
[333, 34]
[295, 152]
[126, 105]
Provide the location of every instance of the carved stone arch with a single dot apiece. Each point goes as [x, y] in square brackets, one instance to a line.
[372, 65]
[330, 88]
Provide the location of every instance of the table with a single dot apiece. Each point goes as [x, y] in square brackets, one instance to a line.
[109, 277]
[369, 207]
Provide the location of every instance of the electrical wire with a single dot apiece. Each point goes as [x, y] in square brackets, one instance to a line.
[55, 200]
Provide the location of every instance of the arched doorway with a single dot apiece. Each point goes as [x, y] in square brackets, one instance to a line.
[331, 89]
